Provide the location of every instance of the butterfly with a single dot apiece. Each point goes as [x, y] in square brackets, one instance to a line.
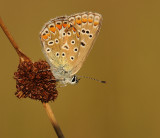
[67, 41]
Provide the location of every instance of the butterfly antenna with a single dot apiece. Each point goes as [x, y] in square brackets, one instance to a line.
[91, 79]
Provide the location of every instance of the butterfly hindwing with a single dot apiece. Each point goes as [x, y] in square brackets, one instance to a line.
[88, 25]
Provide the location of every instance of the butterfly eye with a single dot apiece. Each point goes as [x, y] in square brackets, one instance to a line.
[56, 41]
[72, 58]
[50, 43]
[57, 54]
[74, 79]
[48, 50]
[73, 42]
[63, 54]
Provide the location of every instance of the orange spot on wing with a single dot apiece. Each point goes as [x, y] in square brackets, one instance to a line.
[96, 23]
[74, 29]
[84, 20]
[90, 20]
[64, 25]
[53, 29]
[78, 21]
[74, 22]
[78, 35]
[59, 26]
[69, 25]
[45, 36]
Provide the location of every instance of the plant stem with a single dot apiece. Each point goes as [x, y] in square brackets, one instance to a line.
[14, 44]
[23, 57]
[53, 120]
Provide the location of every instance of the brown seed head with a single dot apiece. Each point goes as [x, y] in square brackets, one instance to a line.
[35, 80]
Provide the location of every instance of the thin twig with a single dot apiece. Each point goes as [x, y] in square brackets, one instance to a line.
[23, 57]
[53, 120]
[14, 44]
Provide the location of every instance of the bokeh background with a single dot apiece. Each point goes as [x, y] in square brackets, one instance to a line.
[126, 55]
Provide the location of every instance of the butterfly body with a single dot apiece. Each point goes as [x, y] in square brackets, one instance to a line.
[66, 42]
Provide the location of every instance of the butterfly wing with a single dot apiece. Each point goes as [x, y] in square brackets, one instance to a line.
[60, 42]
[88, 25]
[66, 42]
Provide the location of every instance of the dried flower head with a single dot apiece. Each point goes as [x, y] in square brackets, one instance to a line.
[36, 81]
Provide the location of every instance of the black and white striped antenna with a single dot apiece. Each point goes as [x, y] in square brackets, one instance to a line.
[91, 79]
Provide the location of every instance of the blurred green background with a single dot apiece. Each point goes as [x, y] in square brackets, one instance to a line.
[126, 55]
